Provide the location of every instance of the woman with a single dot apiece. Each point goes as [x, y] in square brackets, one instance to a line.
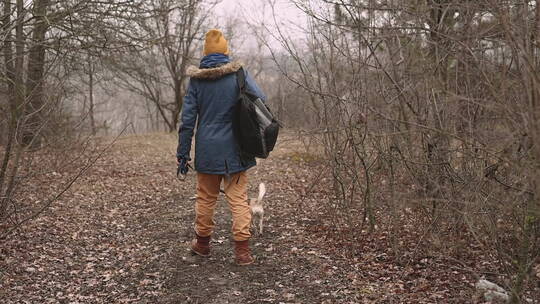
[209, 103]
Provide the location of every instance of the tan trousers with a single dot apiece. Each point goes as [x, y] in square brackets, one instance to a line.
[235, 189]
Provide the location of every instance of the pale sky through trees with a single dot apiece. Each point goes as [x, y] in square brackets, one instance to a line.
[289, 18]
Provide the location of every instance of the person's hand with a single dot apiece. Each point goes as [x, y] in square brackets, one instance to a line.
[183, 167]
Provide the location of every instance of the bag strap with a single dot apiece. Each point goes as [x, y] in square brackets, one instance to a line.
[241, 79]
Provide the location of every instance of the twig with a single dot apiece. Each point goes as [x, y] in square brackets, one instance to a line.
[66, 187]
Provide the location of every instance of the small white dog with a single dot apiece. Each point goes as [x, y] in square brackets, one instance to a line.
[257, 209]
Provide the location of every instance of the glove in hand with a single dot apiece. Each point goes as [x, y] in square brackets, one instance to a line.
[183, 166]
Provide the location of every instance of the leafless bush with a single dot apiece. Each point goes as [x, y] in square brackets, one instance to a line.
[43, 44]
[431, 107]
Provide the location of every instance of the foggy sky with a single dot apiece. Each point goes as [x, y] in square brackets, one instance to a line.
[288, 16]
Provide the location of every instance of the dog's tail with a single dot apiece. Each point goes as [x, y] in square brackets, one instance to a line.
[262, 191]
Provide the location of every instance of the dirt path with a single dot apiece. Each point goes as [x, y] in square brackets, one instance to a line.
[121, 234]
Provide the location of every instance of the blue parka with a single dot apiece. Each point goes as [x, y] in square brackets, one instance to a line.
[209, 103]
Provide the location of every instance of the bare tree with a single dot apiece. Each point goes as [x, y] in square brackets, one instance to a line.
[157, 72]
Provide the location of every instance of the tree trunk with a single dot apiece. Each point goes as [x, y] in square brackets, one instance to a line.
[35, 78]
[537, 34]
[10, 75]
[179, 99]
[19, 53]
[91, 97]
[436, 149]
[8, 51]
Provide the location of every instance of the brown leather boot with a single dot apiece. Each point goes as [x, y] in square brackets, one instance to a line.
[243, 253]
[201, 245]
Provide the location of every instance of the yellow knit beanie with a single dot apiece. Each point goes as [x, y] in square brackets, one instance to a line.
[215, 43]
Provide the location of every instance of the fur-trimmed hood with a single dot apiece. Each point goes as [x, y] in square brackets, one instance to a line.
[213, 73]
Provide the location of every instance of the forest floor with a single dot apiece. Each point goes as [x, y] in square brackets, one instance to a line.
[121, 234]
